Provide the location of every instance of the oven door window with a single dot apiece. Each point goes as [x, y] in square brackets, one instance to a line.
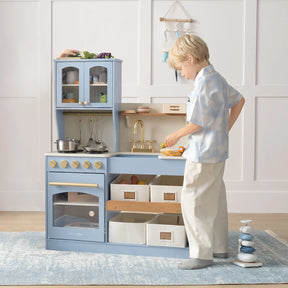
[76, 209]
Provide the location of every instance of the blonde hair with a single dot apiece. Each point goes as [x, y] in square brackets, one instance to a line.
[186, 45]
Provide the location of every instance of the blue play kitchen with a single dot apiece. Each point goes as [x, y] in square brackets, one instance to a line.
[98, 198]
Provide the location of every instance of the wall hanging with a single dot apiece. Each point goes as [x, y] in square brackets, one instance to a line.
[175, 27]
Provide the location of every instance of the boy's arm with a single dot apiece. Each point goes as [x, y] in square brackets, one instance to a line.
[173, 138]
[235, 111]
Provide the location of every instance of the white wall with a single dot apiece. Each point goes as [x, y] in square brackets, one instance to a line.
[248, 43]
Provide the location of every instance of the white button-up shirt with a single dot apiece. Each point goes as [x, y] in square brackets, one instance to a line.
[208, 106]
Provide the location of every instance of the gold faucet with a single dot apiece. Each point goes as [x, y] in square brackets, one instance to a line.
[142, 131]
[142, 146]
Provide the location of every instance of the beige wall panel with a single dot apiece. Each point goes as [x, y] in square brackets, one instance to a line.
[19, 46]
[233, 169]
[19, 154]
[271, 139]
[272, 42]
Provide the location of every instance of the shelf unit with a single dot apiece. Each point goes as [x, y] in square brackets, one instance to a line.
[84, 96]
[152, 114]
[151, 207]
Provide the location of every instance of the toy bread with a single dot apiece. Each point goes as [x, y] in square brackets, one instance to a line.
[170, 152]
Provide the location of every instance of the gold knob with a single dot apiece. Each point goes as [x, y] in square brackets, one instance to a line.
[52, 163]
[75, 164]
[80, 103]
[98, 164]
[64, 163]
[85, 102]
[86, 164]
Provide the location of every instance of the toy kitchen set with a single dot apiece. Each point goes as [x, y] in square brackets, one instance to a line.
[99, 199]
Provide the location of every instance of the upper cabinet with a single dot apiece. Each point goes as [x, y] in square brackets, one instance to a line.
[87, 84]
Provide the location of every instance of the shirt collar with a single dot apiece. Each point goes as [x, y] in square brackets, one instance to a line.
[204, 71]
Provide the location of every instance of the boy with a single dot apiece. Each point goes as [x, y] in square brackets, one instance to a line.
[212, 108]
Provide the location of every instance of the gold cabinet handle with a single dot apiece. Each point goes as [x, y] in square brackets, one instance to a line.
[73, 184]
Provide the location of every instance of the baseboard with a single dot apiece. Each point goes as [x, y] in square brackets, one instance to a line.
[257, 201]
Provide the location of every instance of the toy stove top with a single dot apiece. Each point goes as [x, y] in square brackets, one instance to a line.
[83, 151]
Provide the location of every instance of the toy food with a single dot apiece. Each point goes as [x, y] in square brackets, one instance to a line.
[162, 145]
[103, 98]
[170, 152]
[181, 149]
[72, 100]
[87, 55]
[134, 179]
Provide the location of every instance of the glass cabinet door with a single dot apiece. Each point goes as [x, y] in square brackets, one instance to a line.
[69, 84]
[100, 84]
[76, 209]
[75, 206]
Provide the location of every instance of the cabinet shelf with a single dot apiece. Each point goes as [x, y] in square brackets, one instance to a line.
[70, 85]
[154, 207]
[99, 85]
[93, 85]
[96, 204]
[151, 114]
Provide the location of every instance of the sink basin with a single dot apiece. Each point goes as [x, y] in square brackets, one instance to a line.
[137, 155]
[143, 163]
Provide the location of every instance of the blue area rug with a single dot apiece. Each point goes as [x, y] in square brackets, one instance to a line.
[24, 261]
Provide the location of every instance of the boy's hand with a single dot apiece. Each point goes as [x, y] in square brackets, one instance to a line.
[171, 139]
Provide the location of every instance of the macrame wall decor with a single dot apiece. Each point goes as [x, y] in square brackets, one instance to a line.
[175, 27]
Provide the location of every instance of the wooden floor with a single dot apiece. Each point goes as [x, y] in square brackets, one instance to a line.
[35, 221]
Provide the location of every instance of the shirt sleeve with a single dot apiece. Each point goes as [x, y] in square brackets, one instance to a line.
[234, 96]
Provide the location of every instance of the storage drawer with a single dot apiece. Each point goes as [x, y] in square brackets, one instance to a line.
[167, 230]
[129, 228]
[174, 108]
[166, 189]
[130, 192]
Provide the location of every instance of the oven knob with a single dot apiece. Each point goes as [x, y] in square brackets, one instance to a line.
[91, 213]
[80, 103]
[64, 163]
[98, 164]
[86, 164]
[75, 164]
[85, 102]
[52, 163]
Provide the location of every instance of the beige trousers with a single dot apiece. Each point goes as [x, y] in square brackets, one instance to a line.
[204, 209]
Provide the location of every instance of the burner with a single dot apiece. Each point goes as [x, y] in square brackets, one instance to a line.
[96, 152]
[77, 151]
